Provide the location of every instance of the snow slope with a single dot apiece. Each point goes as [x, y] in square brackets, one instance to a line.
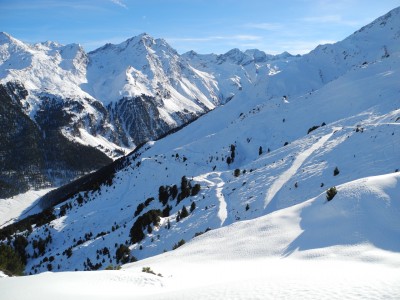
[285, 135]
[345, 248]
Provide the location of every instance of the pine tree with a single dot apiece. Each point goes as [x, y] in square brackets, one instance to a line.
[192, 207]
[174, 191]
[184, 212]
[233, 148]
[336, 171]
[195, 189]
[10, 260]
[79, 199]
[177, 245]
[168, 224]
[163, 194]
[184, 183]
[166, 211]
[123, 254]
[185, 188]
[236, 173]
[20, 243]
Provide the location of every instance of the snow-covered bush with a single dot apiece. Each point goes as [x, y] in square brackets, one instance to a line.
[330, 193]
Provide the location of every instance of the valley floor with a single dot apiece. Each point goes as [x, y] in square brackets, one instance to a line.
[20, 206]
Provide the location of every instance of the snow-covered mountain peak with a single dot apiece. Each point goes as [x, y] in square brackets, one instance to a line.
[258, 55]
[381, 37]
[390, 19]
[373, 42]
[47, 46]
[11, 43]
[147, 44]
[5, 37]
[236, 56]
[142, 44]
[142, 36]
[283, 55]
[143, 65]
[70, 51]
[135, 42]
[190, 54]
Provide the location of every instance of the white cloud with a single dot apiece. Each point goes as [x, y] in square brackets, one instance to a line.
[46, 4]
[120, 3]
[238, 37]
[265, 26]
[301, 46]
[336, 6]
[246, 37]
[334, 19]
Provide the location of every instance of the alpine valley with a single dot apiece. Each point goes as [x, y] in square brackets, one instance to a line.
[260, 176]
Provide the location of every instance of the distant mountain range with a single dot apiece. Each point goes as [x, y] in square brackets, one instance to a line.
[67, 112]
[271, 132]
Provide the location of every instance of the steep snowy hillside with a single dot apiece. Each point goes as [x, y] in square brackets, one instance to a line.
[282, 139]
[372, 43]
[344, 248]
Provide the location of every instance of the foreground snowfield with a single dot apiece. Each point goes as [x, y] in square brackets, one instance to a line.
[244, 279]
[345, 248]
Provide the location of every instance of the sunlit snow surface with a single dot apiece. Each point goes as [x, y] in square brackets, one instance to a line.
[304, 251]
[245, 279]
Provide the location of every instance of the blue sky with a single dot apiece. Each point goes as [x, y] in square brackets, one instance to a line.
[206, 26]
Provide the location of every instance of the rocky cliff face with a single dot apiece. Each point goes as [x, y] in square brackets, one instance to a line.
[34, 152]
[20, 141]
